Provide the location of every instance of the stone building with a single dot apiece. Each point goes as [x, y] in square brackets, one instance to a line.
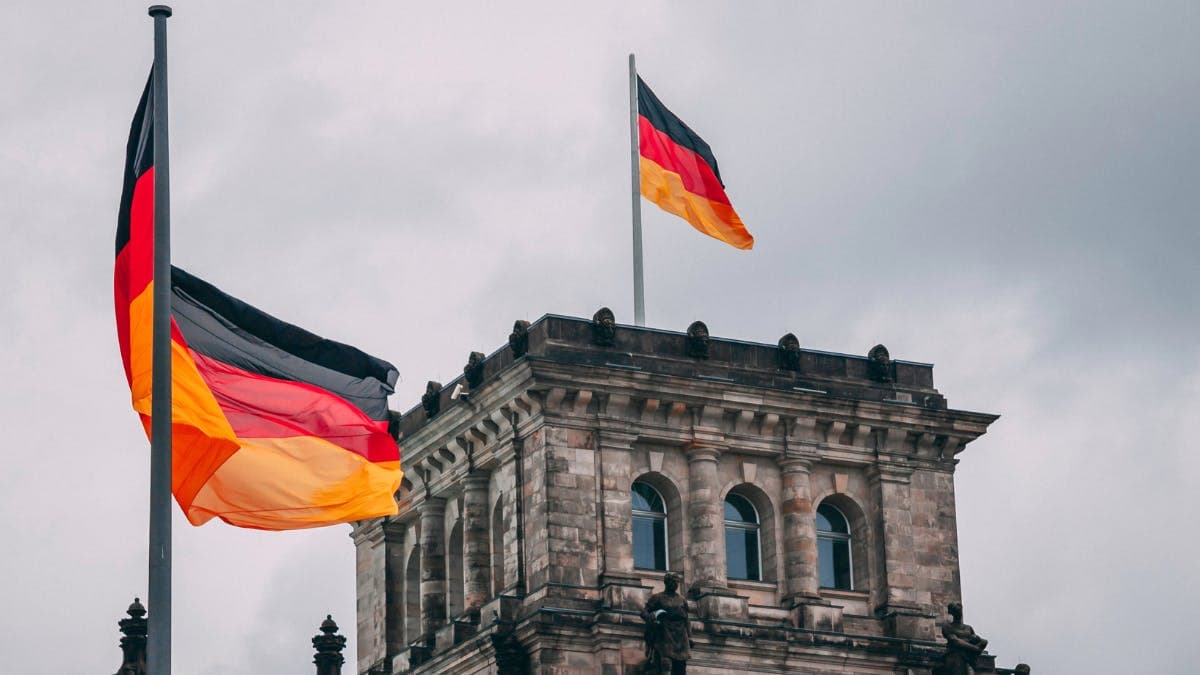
[806, 497]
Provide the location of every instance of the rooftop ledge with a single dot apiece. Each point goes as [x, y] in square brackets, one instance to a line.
[600, 342]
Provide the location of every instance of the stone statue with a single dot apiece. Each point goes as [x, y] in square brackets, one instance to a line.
[963, 645]
[668, 630]
[879, 364]
[431, 400]
[604, 328]
[697, 340]
[473, 371]
[789, 352]
[518, 340]
[394, 419]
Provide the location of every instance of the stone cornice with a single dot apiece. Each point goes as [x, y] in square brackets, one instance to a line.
[569, 383]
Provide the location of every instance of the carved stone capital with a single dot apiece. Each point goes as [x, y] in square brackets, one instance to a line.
[700, 452]
[477, 480]
[432, 506]
[796, 464]
[615, 440]
[889, 473]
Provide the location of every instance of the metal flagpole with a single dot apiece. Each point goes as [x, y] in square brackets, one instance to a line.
[158, 647]
[639, 297]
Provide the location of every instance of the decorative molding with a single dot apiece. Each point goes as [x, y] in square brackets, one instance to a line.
[749, 472]
[656, 461]
[841, 482]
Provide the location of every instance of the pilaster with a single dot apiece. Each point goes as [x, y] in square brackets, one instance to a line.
[378, 546]
[616, 467]
[895, 601]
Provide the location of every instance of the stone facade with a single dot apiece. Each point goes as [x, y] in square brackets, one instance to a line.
[513, 549]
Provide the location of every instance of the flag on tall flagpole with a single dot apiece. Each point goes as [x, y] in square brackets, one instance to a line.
[680, 174]
[273, 427]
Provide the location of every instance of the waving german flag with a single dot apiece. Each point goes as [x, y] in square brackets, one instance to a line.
[680, 174]
[273, 427]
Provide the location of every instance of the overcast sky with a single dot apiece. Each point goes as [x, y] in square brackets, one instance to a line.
[1007, 190]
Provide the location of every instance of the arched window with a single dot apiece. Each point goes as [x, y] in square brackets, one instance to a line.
[742, 552]
[649, 528]
[833, 548]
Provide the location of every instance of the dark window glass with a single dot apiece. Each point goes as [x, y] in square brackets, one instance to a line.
[649, 528]
[741, 553]
[649, 543]
[830, 519]
[741, 539]
[833, 549]
[646, 498]
[739, 510]
[834, 562]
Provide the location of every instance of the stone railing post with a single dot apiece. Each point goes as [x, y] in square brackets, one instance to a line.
[133, 640]
[329, 646]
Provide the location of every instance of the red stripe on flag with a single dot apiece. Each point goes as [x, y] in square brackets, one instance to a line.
[258, 406]
[698, 177]
[134, 268]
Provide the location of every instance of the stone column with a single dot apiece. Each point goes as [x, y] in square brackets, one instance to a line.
[706, 522]
[895, 595]
[801, 580]
[477, 563]
[433, 566]
[801, 593]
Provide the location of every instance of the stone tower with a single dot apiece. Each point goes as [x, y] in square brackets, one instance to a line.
[806, 497]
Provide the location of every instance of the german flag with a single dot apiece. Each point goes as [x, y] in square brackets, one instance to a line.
[680, 174]
[273, 427]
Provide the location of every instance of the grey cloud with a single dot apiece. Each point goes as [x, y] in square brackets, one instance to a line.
[1006, 190]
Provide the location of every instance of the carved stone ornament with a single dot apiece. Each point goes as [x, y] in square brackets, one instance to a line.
[604, 328]
[431, 401]
[473, 371]
[394, 418]
[789, 352]
[518, 339]
[697, 340]
[329, 645]
[879, 364]
[133, 640]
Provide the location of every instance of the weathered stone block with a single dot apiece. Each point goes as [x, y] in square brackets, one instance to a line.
[818, 616]
[722, 604]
